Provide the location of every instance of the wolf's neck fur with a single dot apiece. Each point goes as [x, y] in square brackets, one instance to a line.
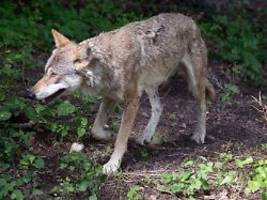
[100, 77]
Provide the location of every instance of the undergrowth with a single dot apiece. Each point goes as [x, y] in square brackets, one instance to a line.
[24, 36]
[237, 175]
[25, 42]
[237, 40]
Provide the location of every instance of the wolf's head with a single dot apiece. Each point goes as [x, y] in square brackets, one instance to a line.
[59, 76]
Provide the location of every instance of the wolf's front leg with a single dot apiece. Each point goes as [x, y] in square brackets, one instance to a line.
[104, 111]
[128, 118]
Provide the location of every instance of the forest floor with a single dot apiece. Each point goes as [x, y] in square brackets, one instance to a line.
[235, 127]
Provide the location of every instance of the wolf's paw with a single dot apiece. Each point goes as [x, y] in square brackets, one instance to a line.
[140, 141]
[143, 140]
[111, 167]
[198, 138]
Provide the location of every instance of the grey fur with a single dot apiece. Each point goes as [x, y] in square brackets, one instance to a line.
[119, 65]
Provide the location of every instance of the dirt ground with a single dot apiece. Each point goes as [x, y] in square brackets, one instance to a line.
[234, 126]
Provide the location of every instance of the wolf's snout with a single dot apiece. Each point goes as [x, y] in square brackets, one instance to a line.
[30, 94]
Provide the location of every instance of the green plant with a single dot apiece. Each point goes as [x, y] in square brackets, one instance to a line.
[30, 160]
[264, 146]
[81, 130]
[134, 193]
[189, 182]
[236, 40]
[241, 163]
[201, 177]
[229, 91]
[83, 176]
[258, 179]
[225, 157]
[25, 41]
[20, 182]
[25, 44]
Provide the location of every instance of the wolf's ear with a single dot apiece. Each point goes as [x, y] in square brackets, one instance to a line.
[60, 40]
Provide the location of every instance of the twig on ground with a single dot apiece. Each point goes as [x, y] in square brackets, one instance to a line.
[167, 192]
[29, 124]
[262, 106]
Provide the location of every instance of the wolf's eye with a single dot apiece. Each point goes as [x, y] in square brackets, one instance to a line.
[53, 74]
[77, 61]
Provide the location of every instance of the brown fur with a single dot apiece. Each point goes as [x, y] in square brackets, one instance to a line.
[121, 64]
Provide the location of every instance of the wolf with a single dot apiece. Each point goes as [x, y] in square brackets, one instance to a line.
[122, 64]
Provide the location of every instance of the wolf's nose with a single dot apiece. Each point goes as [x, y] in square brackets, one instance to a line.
[30, 94]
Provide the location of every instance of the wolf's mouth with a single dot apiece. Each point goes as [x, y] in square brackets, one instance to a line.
[55, 95]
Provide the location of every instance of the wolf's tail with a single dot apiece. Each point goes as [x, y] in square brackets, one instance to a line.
[210, 91]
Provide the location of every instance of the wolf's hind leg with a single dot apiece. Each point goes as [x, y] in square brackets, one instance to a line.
[104, 111]
[156, 110]
[200, 130]
[195, 64]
